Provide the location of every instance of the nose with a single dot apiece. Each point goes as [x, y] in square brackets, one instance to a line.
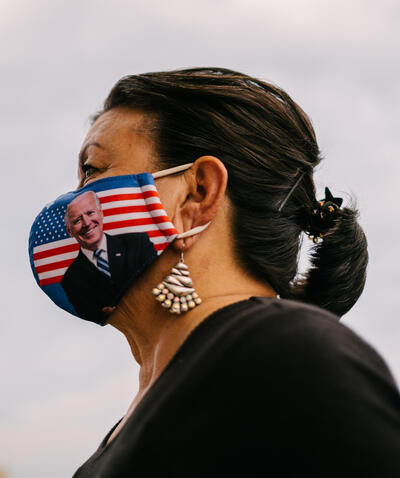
[85, 221]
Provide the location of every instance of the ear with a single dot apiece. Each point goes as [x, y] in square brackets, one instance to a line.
[207, 180]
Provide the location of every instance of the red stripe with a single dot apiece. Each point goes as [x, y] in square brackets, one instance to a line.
[135, 222]
[161, 247]
[162, 232]
[55, 251]
[126, 197]
[54, 265]
[126, 209]
[51, 280]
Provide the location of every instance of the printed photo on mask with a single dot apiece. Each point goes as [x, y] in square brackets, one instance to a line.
[90, 245]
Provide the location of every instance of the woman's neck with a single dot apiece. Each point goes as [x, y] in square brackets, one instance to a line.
[153, 333]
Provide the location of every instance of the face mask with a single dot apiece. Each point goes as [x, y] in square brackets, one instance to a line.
[88, 246]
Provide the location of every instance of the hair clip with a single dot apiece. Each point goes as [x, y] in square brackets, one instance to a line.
[323, 215]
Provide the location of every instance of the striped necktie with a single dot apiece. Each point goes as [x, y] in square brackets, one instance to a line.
[102, 264]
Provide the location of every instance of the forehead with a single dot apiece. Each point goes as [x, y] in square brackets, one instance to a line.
[123, 139]
[81, 203]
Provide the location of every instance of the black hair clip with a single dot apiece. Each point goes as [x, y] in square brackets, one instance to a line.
[323, 215]
[330, 199]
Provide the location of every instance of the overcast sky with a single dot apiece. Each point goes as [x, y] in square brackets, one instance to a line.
[65, 382]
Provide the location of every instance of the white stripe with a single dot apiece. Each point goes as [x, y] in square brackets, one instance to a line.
[55, 273]
[157, 212]
[124, 230]
[52, 245]
[160, 240]
[134, 215]
[132, 190]
[57, 258]
[145, 227]
[131, 202]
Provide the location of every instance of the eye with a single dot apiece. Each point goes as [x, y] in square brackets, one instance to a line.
[88, 170]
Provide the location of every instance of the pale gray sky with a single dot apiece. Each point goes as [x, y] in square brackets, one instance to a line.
[66, 382]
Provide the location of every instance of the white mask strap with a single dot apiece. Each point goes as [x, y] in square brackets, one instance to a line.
[193, 232]
[167, 172]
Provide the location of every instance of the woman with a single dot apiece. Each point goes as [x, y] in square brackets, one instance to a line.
[260, 378]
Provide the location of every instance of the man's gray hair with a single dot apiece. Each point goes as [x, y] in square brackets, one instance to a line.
[66, 218]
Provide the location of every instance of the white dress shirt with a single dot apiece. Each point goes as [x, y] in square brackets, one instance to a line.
[104, 253]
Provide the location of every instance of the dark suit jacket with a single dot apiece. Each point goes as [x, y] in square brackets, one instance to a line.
[89, 290]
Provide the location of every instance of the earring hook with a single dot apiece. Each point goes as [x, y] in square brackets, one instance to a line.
[183, 248]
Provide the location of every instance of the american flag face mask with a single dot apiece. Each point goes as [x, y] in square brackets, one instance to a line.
[88, 246]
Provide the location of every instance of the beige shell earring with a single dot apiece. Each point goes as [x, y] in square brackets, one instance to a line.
[175, 291]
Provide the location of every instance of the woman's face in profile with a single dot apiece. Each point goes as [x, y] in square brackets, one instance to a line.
[121, 142]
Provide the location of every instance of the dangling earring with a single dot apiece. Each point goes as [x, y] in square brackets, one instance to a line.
[175, 292]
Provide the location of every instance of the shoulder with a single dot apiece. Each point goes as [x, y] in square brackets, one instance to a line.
[299, 336]
[74, 267]
[292, 322]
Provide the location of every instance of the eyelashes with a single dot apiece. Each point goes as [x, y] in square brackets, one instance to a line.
[88, 171]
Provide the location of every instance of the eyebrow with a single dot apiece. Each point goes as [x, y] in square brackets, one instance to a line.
[83, 151]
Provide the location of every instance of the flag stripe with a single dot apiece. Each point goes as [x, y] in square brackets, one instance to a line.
[50, 245]
[128, 190]
[161, 247]
[125, 210]
[165, 232]
[56, 251]
[131, 202]
[56, 272]
[51, 280]
[161, 220]
[154, 232]
[136, 215]
[126, 197]
[54, 266]
[133, 209]
[60, 257]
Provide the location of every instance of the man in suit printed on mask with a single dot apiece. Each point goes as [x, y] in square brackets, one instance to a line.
[105, 264]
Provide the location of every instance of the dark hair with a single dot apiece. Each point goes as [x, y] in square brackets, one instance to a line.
[267, 143]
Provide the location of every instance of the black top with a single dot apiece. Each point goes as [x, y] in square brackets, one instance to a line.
[263, 387]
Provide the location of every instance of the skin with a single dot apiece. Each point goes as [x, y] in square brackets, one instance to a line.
[84, 221]
[121, 142]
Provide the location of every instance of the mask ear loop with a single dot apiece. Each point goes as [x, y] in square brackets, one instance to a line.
[193, 232]
[176, 169]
